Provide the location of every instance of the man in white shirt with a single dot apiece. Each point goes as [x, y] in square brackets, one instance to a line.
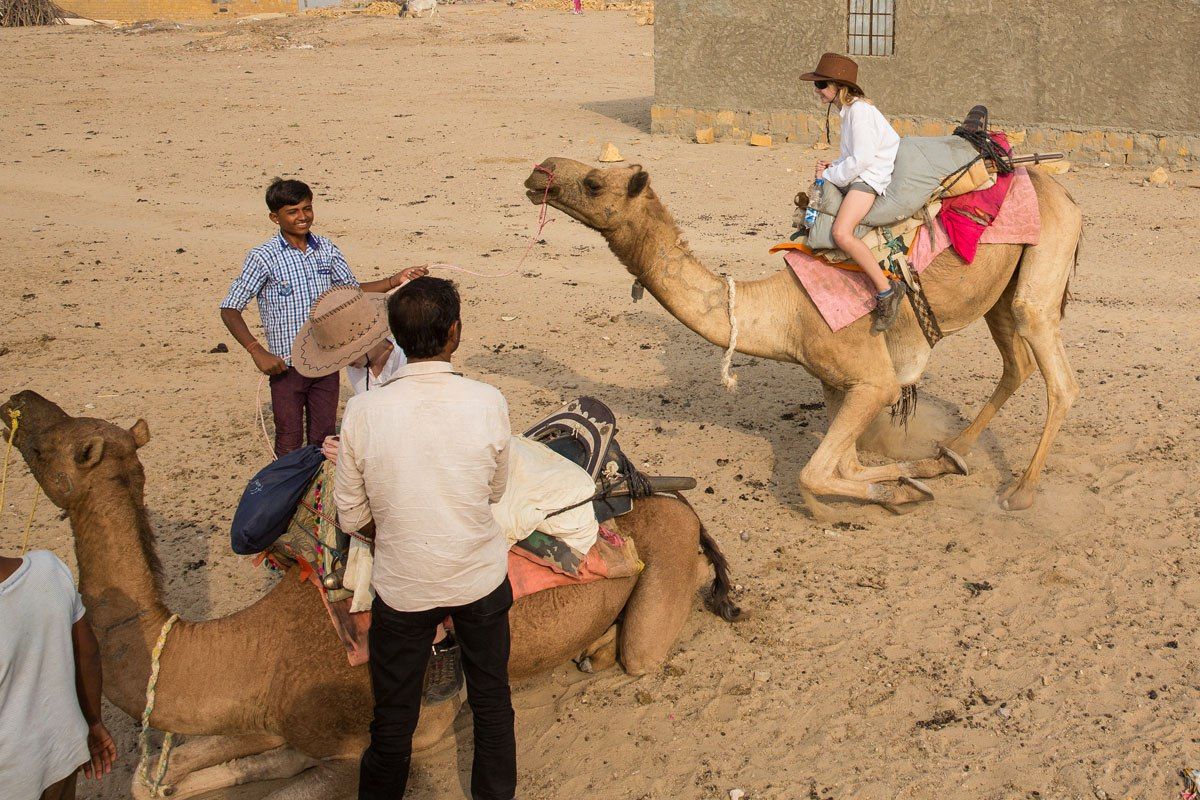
[50, 683]
[421, 460]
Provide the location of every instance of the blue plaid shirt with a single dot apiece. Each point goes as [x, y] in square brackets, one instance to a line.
[287, 282]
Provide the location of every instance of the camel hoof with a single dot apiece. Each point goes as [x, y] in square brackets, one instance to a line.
[585, 665]
[1016, 499]
[959, 463]
[913, 483]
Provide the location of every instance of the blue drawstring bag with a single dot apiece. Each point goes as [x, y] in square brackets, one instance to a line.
[270, 500]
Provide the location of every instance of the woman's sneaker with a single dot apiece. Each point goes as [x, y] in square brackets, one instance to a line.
[444, 675]
[887, 306]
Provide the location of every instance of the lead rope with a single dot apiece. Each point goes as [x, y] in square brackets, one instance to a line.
[728, 377]
[14, 417]
[164, 758]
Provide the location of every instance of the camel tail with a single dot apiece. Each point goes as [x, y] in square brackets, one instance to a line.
[718, 600]
[1066, 298]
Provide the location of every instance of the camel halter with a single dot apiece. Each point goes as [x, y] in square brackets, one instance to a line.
[14, 417]
[164, 757]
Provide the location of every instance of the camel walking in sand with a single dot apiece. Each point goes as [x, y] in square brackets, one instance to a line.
[270, 686]
[1020, 290]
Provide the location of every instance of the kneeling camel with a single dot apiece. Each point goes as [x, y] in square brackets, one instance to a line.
[1020, 290]
[270, 685]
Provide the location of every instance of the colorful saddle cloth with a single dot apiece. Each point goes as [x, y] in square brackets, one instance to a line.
[844, 296]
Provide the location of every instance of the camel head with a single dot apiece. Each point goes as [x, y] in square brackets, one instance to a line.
[603, 199]
[71, 456]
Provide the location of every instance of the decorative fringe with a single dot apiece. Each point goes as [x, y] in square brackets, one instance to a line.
[904, 408]
[728, 377]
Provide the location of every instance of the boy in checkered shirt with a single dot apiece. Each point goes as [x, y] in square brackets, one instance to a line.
[286, 275]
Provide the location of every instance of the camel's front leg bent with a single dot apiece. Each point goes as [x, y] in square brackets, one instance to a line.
[823, 475]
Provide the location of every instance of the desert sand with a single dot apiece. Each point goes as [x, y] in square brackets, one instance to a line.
[955, 651]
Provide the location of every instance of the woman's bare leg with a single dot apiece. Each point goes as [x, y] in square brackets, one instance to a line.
[855, 206]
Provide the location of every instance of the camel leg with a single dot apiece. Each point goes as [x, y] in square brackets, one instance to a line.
[852, 469]
[1037, 311]
[822, 475]
[1018, 365]
[280, 762]
[333, 779]
[664, 593]
[200, 752]
[1045, 339]
[601, 654]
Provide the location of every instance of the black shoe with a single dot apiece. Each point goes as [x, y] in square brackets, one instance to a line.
[444, 675]
[887, 307]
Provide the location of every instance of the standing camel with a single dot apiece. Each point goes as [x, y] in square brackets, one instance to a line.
[1020, 290]
[270, 685]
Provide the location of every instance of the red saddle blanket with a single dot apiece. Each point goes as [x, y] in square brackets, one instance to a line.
[613, 556]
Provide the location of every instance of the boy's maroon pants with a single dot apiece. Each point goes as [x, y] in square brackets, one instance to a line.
[292, 397]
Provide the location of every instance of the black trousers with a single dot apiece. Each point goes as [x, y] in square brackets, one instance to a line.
[400, 643]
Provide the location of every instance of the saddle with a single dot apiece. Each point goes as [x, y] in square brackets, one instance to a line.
[584, 431]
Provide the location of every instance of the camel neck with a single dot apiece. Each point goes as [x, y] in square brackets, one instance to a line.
[119, 582]
[656, 254]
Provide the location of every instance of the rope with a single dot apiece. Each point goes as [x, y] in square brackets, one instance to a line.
[543, 221]
[29, 522]
[15, 418]
[728, 377]
[262, 420]
[144, 737]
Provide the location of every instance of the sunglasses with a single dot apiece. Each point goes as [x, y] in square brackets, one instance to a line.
[821, 85]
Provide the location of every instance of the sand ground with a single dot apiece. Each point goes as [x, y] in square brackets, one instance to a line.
[131, 171]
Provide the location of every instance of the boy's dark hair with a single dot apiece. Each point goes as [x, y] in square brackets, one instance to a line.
[420, 314]
[287, 193]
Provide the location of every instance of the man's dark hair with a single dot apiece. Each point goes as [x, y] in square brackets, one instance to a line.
[420, 314]
[287, 193]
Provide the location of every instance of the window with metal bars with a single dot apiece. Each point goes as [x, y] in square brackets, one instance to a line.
[871, 30]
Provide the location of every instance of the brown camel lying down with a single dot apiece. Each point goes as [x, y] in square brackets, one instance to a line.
[270, 685]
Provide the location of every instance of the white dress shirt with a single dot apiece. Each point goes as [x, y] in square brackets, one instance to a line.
[425, 456]
[868, 147]
[363, 378]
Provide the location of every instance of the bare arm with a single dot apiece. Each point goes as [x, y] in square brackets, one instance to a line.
[402, 277]
[267, 362]
[89, 681]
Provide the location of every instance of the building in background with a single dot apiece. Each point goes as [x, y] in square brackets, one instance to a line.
[1107, 81]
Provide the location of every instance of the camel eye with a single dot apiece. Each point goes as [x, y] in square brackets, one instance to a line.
[593, 186]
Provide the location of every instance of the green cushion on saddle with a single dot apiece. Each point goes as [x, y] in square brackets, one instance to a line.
[551, 553]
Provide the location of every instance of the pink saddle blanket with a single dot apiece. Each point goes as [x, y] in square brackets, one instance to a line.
[612, 557]
[843, 296]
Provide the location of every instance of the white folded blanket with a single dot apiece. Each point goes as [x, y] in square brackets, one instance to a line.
[540, 482]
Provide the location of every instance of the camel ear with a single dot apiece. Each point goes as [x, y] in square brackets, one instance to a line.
[141, 433]
[89, 452]
[638, 182]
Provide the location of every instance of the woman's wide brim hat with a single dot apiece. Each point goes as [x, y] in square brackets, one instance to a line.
[837, 68]
[342, 327]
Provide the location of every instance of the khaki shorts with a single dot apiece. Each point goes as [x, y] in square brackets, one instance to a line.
[859, 186]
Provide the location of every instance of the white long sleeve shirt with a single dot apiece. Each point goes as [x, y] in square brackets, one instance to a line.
[425, 456]
[868, 148]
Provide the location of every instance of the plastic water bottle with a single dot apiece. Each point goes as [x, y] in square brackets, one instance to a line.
[810, 213]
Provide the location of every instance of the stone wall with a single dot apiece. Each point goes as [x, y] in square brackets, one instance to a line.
[1106, 81]
[127, 10]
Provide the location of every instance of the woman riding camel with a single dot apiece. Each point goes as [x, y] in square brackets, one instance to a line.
[862, 173]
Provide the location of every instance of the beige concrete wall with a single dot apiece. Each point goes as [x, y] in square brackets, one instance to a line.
[126, 10]
[1095, 69]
